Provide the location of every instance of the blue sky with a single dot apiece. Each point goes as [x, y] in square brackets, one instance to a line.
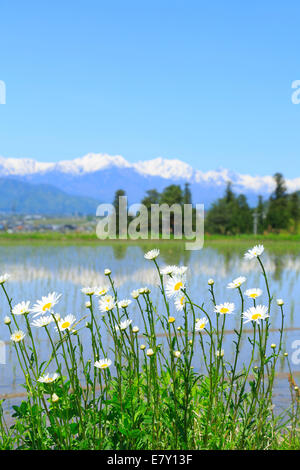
[206, 82]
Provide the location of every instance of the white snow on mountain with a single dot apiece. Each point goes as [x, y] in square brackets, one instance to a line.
[90, 163]
[22, 166]
[169, 169]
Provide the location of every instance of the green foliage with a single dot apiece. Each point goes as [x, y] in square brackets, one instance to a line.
[278, 216]
[230, 215]
[116, 203]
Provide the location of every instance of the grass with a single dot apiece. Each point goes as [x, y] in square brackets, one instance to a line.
[142, 392]
[274, 242]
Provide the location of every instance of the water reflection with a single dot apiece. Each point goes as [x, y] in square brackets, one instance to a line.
[38, 270]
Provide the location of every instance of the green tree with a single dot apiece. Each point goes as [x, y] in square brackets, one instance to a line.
[260, 210]
[187, 195]
[230, 214]
[172, 195]
[295, 210]
[152, 197]
[116, 204]
[278, 216]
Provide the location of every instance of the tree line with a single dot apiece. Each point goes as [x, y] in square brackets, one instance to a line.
[232, 214]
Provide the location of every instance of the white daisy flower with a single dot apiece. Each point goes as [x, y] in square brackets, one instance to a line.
[4, 278]
[135, 294]
[177, 354]
[22, 308]
[107, 272]
[100, 291]
[236, 283]
[180, 302]
[124, 303]
[106, 303]
[253, 293]
[150, 352]
[167, 270]
[174, 286]
[254, 252]
[201, 324]
[152, 254]
[280, 302]
[103, 363]
[46, 304]
[47, 378]
[256, 314]
[42, 321]
[135, 329]
[225, 308]
[7, 320]
[17, 336]
[88, 290]
[210, 282]
[123, 325]
[66, 323]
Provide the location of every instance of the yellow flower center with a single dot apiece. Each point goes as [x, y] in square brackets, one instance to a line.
[103, 366]
[182, 300]
[202, 326]
[18, 337]
[171, 319]
[46, 306]
[255, 316]
[253, 296]
[65, 324]
[178, 285]
[224, 310]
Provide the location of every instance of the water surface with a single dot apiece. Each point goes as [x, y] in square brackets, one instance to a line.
[38, 270]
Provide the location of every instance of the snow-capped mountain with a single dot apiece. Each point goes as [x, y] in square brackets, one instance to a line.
[100, 175]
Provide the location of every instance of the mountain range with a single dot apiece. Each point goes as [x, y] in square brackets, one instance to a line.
[80, 184]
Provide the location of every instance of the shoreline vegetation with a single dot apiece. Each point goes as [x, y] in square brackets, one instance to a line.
[91, 238]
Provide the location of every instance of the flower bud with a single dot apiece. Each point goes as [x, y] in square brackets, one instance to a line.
[54, 398]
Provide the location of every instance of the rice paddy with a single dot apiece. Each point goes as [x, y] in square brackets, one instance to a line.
[170, 350]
